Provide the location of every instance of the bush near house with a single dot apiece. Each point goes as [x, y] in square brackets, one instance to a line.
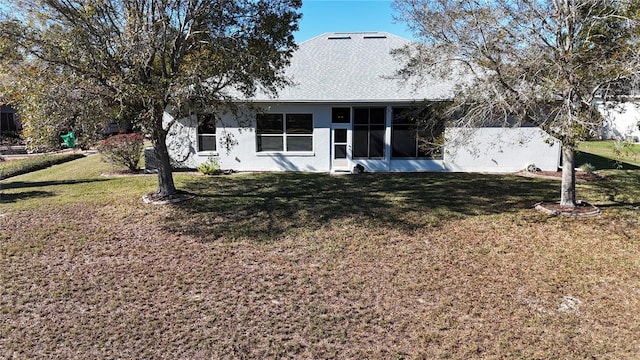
[210, 167]
[123, 150]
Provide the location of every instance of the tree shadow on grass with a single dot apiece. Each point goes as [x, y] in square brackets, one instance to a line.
[24, 195]
[268, 206]
[621, 189]
[32, 184]
[602, 163]
[14, 196]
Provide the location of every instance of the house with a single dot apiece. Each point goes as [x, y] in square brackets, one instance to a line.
[9, 122]
[622, 120]
[347, 107]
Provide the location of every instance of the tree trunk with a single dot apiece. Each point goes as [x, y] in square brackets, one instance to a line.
[568, 187]
[166, 186]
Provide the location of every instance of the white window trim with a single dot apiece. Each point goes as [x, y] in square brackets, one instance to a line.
[198, 135]
[284, 136]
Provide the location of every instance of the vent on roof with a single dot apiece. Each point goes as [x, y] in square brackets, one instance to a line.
[339, 37]
[374, 37]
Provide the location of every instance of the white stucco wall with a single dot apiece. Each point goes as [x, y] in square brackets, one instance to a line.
[241, 154]
[476, 150]
[500, 149]
[621, 120]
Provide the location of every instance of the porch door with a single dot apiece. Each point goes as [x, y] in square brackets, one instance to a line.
[340, 149]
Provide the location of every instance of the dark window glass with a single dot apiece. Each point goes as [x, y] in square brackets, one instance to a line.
[269, 124]
[341, 152]
[403, 116]
[340, 135]
[206, 143]
[376, 142]
[299, 124]
[360, 135]
[361, 116]
[377, 116]
[415, 133]
[270, 143]
[276, 130]
[368, 132]
[206, 132]
[341, 115]
[7, 122]
[403, 141]
[299, 143]
[206, 124]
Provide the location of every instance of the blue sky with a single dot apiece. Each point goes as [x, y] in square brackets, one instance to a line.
[321, 16]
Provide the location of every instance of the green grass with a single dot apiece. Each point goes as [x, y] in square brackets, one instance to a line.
[376, 266]
[609, 155]
[24, 166]
[72, 182]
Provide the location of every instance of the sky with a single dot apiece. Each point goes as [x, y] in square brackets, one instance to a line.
[321, 16]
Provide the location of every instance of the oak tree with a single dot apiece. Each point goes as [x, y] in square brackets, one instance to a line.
[144, 57]
[540, 62]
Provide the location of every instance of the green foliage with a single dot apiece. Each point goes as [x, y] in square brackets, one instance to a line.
[47, 112]
[210, 167]
[108, 58]
[123, 150]
[588, 168]
[545, 63]
[24, 166]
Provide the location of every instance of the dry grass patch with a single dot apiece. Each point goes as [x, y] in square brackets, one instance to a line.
[378, 267]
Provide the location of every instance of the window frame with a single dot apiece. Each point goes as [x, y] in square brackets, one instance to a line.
[338, 112]
[369, 128]
[287, 136]
[435, 153]
[209, 120]
[8, 121]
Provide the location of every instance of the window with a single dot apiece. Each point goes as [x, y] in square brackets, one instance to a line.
[340, 143]
[206, 132]
[270, 132]
[341, 115]
[277, 132]
[416, 133]
[7, 122]
[368, 132]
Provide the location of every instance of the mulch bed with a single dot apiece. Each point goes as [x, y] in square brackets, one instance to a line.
[581, 210]
[580, 175]
[155, 199]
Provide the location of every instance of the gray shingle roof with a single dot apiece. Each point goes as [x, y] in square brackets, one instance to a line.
[354, 67]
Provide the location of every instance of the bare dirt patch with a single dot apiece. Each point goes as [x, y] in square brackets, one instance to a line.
[302, 266]
[124, 281]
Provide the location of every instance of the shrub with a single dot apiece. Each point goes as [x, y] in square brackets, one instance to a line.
[123, 150]
[588, 168]
[210, 167]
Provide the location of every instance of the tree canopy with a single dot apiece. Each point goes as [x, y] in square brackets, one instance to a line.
[140, 57]
[541, 62]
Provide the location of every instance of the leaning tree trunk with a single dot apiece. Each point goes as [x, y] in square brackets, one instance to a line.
[568, 187]
[166, 187]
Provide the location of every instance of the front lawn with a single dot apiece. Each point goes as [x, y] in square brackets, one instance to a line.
[609, 154]
[27, 165]
[312, 266]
